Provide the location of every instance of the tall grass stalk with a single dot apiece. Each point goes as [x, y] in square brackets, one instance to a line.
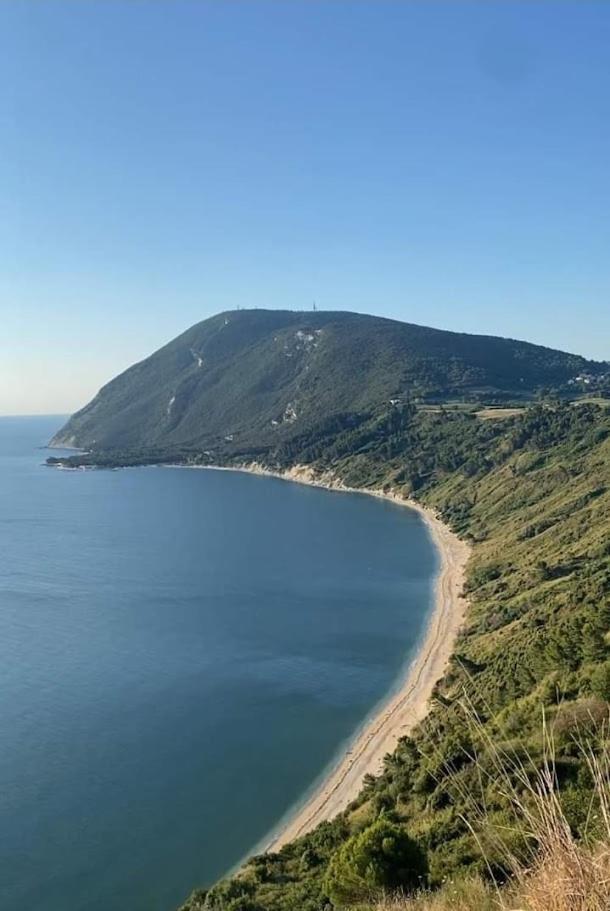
[544, 867]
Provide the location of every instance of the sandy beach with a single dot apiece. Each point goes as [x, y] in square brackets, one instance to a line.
[408, 703]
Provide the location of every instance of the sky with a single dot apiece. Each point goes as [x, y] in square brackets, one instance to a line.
[443, 163]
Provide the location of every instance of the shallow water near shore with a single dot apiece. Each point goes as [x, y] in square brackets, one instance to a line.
[182, 653]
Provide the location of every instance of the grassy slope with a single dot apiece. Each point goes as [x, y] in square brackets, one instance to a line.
[533, 494]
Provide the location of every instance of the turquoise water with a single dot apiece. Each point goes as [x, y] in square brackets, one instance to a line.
[181, 654]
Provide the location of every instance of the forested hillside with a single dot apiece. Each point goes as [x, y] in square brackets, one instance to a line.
[533, 495]
[252, 379]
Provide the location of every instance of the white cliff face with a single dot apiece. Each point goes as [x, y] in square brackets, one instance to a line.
[63, 442]
[301, 342]
[290, 414]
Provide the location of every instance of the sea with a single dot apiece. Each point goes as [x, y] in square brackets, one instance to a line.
[183, 653]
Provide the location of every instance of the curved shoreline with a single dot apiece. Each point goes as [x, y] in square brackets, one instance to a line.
[406, 705]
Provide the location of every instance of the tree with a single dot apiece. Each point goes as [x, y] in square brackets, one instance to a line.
[381, 857]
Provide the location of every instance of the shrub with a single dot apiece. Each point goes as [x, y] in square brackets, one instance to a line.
[382, 857]
[600, 681]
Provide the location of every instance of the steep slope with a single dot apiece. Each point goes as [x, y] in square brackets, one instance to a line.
[532, 494]
[256, 378]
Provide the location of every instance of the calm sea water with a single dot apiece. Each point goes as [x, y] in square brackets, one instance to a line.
[181, 654]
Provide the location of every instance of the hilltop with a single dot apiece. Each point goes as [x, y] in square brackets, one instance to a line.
[250, 380]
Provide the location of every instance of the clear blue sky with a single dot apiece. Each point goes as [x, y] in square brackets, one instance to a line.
[442, 163]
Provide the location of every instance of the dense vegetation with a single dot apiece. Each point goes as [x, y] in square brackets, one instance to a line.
[530, 491]
[255, 378]
[533, 494]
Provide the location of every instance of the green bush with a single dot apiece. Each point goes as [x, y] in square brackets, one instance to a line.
[382, 857]
[231, 895]
[600, 681]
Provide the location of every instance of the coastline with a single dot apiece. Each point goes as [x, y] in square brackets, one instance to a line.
[408, 703]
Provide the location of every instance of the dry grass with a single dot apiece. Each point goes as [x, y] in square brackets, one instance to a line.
[555, 872]
[576, 880]
[497, 414]
[470, 895]
[571, 880]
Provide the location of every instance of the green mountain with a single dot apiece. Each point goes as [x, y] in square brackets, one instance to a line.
[250, 380]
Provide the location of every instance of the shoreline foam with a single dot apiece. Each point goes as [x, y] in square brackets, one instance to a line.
[407, 704]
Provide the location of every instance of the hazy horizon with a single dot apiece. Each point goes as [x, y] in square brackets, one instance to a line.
[443, 164]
